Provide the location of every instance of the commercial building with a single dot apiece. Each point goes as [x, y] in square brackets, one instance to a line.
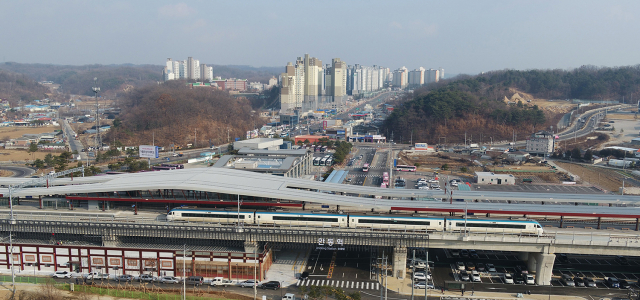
[541, 142]
[492, 178]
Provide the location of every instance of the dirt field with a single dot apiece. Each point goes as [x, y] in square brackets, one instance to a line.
[21, 155]
[605, 178]
[16, 132]
[621, 117]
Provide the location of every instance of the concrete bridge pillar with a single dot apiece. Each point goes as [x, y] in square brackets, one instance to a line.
[542, 264]
[399, 262]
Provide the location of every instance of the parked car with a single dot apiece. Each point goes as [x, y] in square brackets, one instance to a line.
[169, 279]
[491, 268]
[588, 281]
[473, 254]
[195, 280]
[475, 276]
[146, 277]
[464, 253]
[274, 285]
[480, 267]
[125, 278]
[624, 284]
[419, 276]
[578, 281]
[432, 180]
[460, 265]
[61, 274]
[567, 280]
[529, 279]
[423, 284]
[248, 283]
[519, 279]
[612, 282]
[470, 266]
[622, 260]
[508, 278]
[455, 252]
[464, 276]
[96, 276]
[220, 281]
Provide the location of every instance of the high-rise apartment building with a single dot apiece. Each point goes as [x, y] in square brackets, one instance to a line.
[432, 76]
[193, 68]
[292, 91]
[185, 69]
[400, 78]
[416, 77]
[206, 73]
[312, 78]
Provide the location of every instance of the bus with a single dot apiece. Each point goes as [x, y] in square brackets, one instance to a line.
[316, 161]
[385, 178]
[365, 168]
[177, 166]
[329, 162]
[404, 168]
[323, 161]
[161, 168]
[324, 149]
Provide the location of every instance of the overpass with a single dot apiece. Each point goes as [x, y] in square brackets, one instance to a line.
[538, 251]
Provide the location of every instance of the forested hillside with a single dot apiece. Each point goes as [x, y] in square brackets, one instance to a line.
[15, 87]
[475, 104]
[175, 114]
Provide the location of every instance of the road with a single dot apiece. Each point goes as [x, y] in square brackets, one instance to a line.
[18, 171]
[74, 145]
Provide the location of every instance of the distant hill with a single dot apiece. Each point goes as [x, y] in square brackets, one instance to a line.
[113, 79]
[476, 105]
[15, 87]
[173, 113]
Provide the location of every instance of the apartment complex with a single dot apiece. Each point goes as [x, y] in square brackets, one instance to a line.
[362, 79]
[186, 69]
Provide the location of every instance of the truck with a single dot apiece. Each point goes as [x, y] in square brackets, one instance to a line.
[289, 296]
[220, 281]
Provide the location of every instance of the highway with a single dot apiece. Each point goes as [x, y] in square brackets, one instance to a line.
[74, 145]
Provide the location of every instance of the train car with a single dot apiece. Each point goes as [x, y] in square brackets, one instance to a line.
[301, 219]
[209, 216]
[396, 223]
[494, 226]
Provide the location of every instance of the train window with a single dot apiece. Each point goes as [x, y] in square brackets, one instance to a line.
[342, 219]
[390, 221]
[307, 219]
[488, 225]
[258, 217]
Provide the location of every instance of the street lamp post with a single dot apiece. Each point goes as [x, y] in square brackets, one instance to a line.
[184, 269]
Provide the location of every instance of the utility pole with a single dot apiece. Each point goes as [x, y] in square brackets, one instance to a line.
[413, 270]
[96, 89]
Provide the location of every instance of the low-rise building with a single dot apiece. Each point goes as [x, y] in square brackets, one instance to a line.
[492, 178]
[541, 142]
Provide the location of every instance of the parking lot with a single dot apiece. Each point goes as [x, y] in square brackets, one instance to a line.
[567, 189]
[599, 268]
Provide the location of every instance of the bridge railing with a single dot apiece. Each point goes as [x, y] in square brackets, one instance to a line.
[595, 238]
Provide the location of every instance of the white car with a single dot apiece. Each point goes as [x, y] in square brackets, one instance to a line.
[475, 276]
[61, 274]
[461, 266]
[453, 183]
[530, 280]
[169, 279]
[508, 278]
[432, 180]
[419, 276]
[424, 187]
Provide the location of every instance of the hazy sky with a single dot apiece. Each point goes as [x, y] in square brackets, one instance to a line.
[459, 36]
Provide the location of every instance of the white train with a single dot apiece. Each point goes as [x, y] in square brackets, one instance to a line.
[356, 221]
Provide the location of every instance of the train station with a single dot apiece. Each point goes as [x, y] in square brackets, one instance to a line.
[216, 222]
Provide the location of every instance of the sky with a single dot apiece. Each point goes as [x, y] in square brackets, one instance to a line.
[460, 36]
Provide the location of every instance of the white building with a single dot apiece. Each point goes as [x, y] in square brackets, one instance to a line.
[400, 78]
[542, 142]
[492, 178]
[432, 76]
[206, 73]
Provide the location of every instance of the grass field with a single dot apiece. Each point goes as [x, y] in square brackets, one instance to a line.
[16, 132]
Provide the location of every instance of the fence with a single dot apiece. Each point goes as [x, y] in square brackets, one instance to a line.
[139, 292]
[6, 278]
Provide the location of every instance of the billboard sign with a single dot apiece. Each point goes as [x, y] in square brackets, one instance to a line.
[324, 124]
[421, 146]
[148, 151]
